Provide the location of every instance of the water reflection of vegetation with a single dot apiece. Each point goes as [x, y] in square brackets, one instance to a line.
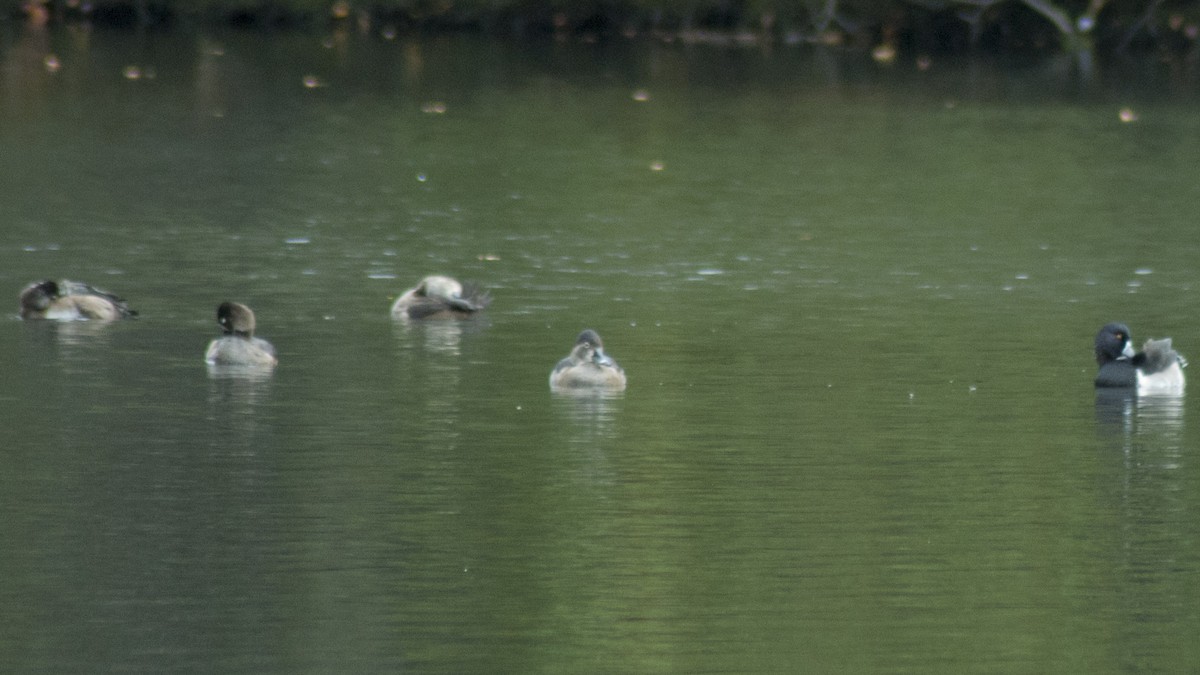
[882, 27]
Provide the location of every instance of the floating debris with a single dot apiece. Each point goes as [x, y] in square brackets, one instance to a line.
[433, 108]
[641, 95]
[32, 248]
[1127, 115]
[311, 82]
[51, 63]
[657, 166]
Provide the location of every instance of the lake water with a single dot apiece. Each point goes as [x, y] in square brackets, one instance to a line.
[855, 304]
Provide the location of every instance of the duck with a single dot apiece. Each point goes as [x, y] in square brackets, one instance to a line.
[440, 297]
[71, 301]
[1158, 368]
[238, 346]
[587, 366]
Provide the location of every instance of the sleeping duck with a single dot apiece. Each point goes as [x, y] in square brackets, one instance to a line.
[71, 301]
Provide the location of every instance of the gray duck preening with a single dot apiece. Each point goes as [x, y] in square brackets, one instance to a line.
[440, 297]
[71, 301]
[238, 346]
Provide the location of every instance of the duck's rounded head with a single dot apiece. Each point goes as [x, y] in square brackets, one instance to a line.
[236, 319]
[1113, 343]
[589, 347]
[36, 297]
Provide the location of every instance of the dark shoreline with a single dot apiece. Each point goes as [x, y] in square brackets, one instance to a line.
[883, 28]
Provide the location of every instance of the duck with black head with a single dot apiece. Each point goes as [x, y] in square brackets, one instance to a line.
[71, 301]
[588, 367]
[237, 346]
[1157, 369]
[441, 297]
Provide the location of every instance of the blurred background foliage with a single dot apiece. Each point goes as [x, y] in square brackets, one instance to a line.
[885, 27]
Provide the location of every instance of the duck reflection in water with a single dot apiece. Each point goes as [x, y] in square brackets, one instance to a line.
[439, 297]
[587, 367]
[238, 346]
[71, 301]
[443, 337]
